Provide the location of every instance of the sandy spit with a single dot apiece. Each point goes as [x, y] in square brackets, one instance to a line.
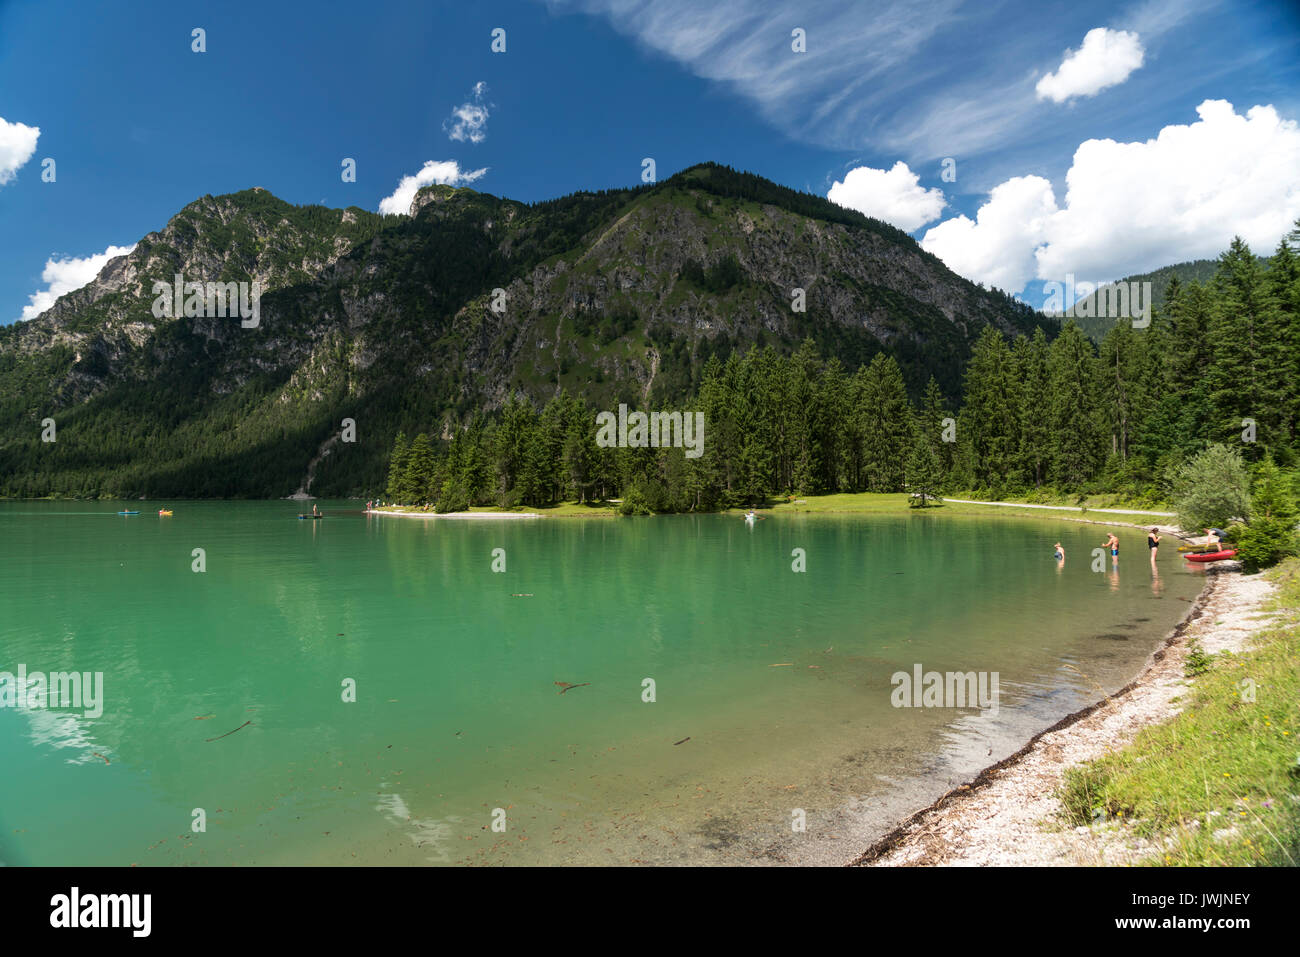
[1065, 508]
[1009, 815]
[380, 511]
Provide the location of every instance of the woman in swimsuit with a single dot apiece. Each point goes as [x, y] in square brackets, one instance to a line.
[1153, 543]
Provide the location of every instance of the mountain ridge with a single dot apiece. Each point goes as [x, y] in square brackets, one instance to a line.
[1096, 326]
[611, 295]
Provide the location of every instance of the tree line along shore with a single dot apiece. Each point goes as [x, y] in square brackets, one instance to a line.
[1199, 411]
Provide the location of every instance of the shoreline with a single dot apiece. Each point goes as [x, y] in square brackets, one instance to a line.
[857, 503]
[462, 515]
[1008, 814]
[1063, 508]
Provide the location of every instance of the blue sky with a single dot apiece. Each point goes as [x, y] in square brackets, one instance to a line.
[1093, 140]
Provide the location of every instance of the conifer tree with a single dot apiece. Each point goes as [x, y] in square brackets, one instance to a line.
[417, 477]
[830, 423]
[934, 410]
[1283, 282]
[924, 474]
[1072, 375]
[397, 469]
[1120, 362]
[1035, 399]
[989, 423]
[887, 425]
[1248, 368]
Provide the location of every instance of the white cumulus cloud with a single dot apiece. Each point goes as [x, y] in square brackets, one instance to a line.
[1106, 58]
[997, 247]
[894, 195]
[64, 275]
[444, 172]
[17, 144]
[1133, 207]
[469, 120]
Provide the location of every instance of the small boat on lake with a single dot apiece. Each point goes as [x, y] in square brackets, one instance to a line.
[128, 513]
[1212, 556]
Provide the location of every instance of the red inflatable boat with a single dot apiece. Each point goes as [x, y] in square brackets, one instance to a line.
[1211, 556]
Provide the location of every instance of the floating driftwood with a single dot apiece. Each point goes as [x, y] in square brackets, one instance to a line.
[229, 733]
[565, 686]
[682, 741]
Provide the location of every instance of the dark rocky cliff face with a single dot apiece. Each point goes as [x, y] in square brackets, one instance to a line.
[391, 321]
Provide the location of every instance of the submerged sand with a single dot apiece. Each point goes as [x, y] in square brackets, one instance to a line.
[1010, 815]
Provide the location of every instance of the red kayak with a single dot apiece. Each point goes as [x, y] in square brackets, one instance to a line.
[1212, 556]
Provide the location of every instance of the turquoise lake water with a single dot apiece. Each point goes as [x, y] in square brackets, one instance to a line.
[224, 689]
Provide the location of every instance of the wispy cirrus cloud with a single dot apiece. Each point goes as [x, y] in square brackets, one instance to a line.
[829, 95]
[895, 76]
[965, 123]
[1154, 17]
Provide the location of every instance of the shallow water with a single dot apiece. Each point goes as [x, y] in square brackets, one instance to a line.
[772, 689]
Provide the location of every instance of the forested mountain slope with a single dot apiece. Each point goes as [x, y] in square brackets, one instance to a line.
[389, 321]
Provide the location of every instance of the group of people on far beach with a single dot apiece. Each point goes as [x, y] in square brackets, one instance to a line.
[1213, 540]
[1112, 545]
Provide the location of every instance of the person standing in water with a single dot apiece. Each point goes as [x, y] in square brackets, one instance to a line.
[1113, 544]
[1153, 543]
[1060, 552]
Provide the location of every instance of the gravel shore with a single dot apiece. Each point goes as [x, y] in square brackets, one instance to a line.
[1009, 814]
